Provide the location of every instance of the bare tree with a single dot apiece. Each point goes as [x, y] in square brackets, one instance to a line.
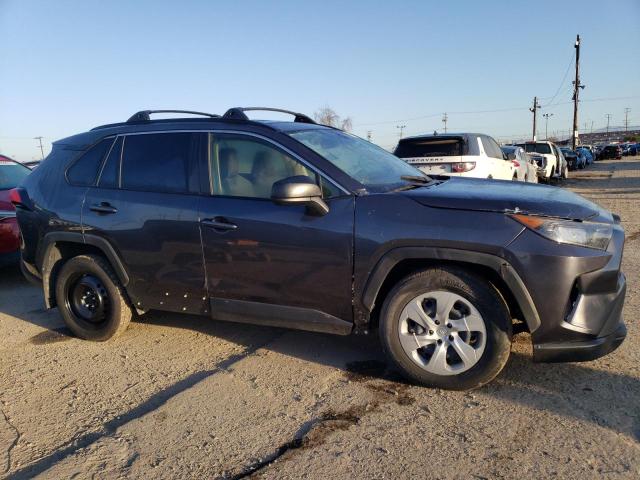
[327, 116]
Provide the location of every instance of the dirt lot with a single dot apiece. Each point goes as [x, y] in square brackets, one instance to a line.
[183, 397]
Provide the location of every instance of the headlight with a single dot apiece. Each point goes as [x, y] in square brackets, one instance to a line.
[585, 234]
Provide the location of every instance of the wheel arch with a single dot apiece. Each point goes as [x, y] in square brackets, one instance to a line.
[57, 247]
[400, 262]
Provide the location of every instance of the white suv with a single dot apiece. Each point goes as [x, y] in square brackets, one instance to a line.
[549, 158]
[456, 154]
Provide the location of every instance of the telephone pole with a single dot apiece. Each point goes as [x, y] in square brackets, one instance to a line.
[368, 135]
[401, 127]
[41, 149]
[444, 120]
[608, 115]
[626, 119]
[534, 110]
[576, 89]
[546, 124]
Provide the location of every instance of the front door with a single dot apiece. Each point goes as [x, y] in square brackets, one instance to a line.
[268, 263]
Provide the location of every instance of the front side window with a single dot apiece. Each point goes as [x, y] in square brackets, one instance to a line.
[375, 168]
[158, 162]
[84, 170]
[246, 167]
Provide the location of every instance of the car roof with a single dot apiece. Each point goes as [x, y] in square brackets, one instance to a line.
[426, 136]
[140, 122]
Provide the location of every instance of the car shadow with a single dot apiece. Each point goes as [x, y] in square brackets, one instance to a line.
[572, 390]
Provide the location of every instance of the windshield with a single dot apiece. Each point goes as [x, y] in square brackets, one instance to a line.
[11, 174]
[432, 147]
[536, 147]
[375, 168]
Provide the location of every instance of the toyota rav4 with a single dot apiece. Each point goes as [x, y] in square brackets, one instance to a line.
[294, 224]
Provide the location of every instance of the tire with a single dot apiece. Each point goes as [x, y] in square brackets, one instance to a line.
[84, 282]
[491, 348]
[515, 178]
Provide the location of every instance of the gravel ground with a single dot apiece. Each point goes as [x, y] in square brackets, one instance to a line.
[182, 397]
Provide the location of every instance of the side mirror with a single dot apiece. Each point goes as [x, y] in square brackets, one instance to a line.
[299, 190]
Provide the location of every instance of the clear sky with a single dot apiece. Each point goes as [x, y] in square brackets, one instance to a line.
[66, 66]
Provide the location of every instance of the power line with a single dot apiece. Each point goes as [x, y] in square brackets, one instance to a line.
[562, 82]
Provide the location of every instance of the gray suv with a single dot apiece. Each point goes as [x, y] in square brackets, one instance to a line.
[294, 224]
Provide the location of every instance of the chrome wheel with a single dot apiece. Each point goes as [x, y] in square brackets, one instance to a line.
[442, 332]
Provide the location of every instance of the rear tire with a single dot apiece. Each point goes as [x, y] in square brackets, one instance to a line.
[446, 328]
[91, 299]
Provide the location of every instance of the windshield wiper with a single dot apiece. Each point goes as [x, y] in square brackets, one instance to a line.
[416, 178]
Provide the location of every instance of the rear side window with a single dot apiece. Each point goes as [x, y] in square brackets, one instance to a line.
[158, 162]
[84, 170]
[110, 176]
[491, 148]
[431, 147]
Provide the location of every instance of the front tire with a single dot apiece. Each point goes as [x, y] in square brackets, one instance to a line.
[91, 299]
[446, 328]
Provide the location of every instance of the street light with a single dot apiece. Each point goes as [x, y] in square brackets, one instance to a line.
[401, 127]
[546, 124]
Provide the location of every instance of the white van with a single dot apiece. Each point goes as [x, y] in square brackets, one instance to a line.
[456, 154]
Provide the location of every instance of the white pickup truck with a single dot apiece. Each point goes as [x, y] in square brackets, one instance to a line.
[549, 159]
[456, 154]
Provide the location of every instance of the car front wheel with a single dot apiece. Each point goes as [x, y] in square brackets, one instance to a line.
[91, 299]
[446, 328]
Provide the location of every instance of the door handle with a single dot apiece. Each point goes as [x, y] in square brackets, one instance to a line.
[219, 223]
[103, 207]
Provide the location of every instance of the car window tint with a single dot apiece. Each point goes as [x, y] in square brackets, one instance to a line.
[12, 174]
[111, 169]
[85, 169]
[491, 148]
[156, 162]
[246, 167]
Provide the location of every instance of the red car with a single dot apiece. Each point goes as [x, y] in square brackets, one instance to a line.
[11, 175]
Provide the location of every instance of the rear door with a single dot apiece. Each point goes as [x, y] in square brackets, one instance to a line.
[501, 168]
[144, 204]
[268, 263]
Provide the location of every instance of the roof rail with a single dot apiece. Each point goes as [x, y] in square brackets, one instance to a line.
[237, 113]
[144, 115]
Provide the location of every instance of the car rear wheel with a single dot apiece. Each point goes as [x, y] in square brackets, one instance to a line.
[91, 299]
[446, 328]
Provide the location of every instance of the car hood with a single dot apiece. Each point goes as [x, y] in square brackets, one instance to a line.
[508, 197]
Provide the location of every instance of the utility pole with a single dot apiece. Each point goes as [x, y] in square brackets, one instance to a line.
[546, 124]
[576, 89]
[591, 126]
[368, 135]
[608, 115]
[626, 119]
[444, 120]
[401, 127]
[41, 149]
[534, 110]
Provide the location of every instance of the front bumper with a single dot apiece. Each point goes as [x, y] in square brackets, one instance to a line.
[601, 313]
[578, 295]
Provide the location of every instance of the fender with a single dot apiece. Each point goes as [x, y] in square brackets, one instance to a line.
[497, 264]
[49, 254]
